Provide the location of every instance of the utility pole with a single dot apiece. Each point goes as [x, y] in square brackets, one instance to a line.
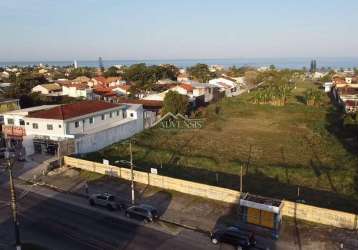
[59, 153]
[13, 204]
[132, 176]
[241, 180]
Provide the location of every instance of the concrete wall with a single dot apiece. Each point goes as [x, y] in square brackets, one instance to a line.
[96, 141]
[290, 209]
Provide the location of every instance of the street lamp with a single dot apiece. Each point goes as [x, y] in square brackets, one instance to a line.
[10, 160]
[132, 165]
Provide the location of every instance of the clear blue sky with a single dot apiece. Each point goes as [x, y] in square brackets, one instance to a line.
[176, 29]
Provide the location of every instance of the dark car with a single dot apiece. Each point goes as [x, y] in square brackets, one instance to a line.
[143, 212]
[234, 236]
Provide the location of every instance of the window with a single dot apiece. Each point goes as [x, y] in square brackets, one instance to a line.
[27, 123]
[10, 121]
[77, 124]
[91, 120]
[59, 126]
[103, 117]
[35, 126]
[124, 114]
[131, 114]
[49, 127]
[110, 115]
[117, 112]
[22, 122]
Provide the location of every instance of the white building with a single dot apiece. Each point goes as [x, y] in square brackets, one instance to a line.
[230, 87]
[78, 90]
[90, 125]
[46, 89]
[14, 127]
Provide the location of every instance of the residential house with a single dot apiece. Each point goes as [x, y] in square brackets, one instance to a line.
[78, 90]
[4, 74]
[87, 125]
[81, 79]
[14, 127]
[226, 85]
[122, 90]
[183, 77]
[6, 105]
[151, 109]
[101, 93]
[46, 89]
[347, 95]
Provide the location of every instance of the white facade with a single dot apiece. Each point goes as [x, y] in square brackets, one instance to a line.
[42, 89]
[230, 87]
[132, 124]
[73, 91]
[16, 119]
[92, 131]
[222, 80]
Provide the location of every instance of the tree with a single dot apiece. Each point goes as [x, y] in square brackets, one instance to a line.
[313, 67]
[200, 72]
[111, 71]
[356, 71]
[143, 77]
[23, 83]
[82, 71]
[175, 103]
[251, 77]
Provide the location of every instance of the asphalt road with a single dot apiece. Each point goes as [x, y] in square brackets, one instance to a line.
[59, 225]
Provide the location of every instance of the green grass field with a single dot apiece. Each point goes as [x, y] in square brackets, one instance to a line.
[281, 149]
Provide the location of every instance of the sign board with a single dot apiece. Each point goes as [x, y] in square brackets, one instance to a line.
[105, 162]
[154, 170]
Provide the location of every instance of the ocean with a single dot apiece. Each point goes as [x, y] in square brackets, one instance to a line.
[290, 63]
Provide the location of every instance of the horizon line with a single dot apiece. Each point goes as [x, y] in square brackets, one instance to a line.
[183, 59]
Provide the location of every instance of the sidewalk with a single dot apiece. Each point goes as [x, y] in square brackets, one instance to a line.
[202, 214]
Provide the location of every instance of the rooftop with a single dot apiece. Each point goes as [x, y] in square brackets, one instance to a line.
[5, 100]
[52, 86]
[28, 110]
[68, 111]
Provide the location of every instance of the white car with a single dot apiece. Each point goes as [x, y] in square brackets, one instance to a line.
[105, 200]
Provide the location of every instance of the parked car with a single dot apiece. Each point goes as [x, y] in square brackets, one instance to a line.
[235, 237]
[143, 212]
[105, 200]
[11, 153]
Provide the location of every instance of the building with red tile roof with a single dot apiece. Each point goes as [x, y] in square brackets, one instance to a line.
[91, 125]
[72, 110]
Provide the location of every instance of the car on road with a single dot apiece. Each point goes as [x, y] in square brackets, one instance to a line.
[144, 212]
[105, 200]
[235, 237]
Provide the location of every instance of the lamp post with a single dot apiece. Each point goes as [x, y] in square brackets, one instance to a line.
[10, 162]
[132, 175]
[132, 172]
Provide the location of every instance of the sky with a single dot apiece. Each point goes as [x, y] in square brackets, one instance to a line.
[177, 29]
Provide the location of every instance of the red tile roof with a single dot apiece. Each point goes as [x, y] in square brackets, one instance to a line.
[76, 85]
[186, 86]
[145, 103]
[72, 110]
[101, 79]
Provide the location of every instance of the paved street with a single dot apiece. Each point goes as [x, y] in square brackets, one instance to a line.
[59, 225]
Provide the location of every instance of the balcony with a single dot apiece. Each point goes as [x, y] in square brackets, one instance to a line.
[10, 130]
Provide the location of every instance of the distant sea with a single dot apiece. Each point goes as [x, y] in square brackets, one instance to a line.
[291, 63]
